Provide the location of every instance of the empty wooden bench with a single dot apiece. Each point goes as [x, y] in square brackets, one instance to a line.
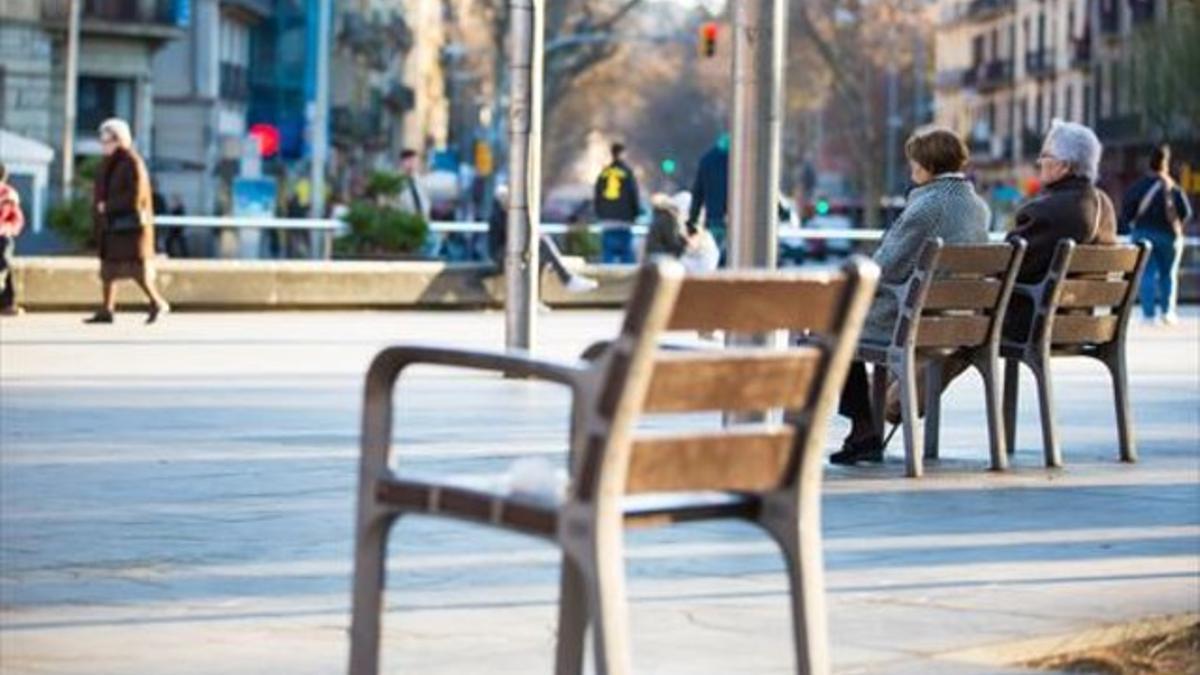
[953, 303]
[1081, 308]
[622, 476]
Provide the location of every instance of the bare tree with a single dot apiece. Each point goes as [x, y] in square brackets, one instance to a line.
[1163, 67]
[856, 42]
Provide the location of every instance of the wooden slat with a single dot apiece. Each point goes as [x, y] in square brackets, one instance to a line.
[757, 305]
[745, 380]
[978, 259]
[752, 459]
[1103, 259]
[1087, 293]
[963, 294]
[1074, 330]
[952, 331]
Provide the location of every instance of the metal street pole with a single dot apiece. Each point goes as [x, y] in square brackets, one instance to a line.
[524, 171]
[68, 139]
[320, 116]
[758, 52]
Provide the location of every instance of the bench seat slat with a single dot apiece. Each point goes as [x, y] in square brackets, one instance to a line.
[1070, 330]
[952, 331]
[1092, 293]
[963, 294]
[755, 305]
[1094, 259]
[983, 259]
[754, 458]
[734, 380]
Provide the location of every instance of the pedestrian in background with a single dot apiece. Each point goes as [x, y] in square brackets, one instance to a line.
[12, 221]
[1155, 209]
[412, 197]
[548, 253]
[123, 220]
[710, 192]
[617, 204]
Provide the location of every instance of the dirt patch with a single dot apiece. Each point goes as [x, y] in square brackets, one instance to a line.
[1175, 653]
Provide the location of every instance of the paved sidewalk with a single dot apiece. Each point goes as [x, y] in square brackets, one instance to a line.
[177, 499]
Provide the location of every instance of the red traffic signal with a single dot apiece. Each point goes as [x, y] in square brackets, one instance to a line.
[708, 38]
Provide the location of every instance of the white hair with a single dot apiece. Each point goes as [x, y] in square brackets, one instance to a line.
[118, 129]
[1075, 144]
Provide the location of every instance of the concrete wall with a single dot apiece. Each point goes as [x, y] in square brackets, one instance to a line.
[49, 283]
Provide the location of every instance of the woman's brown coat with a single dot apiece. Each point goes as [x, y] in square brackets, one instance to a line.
[123, 186]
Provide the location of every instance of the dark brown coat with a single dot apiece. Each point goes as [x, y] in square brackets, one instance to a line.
[1066, 209]
[123, 186]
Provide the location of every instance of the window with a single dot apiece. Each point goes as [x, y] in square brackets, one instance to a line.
[1069, 103]
[100, 98]
[1114, 85]
[234, 56]
[1087, 106]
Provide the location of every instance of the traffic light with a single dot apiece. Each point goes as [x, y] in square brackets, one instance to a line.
[708, 39]
[669, 166]
[822, 207]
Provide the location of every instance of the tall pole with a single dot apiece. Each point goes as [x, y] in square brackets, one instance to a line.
[524, 171]
[68, 139]
[758, 51]
[320, 116]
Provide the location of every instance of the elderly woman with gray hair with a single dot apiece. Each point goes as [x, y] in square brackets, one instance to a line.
[123, 220]
[1070, 206]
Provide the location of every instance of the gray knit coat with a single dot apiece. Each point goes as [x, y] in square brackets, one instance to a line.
[946, 207]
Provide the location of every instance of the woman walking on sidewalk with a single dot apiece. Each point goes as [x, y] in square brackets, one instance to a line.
[123, 220]
[1156, 210]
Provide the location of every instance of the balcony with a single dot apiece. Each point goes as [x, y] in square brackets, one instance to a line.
[1081, 52]
[982, 10]
[146, 19]
[1040, 64]
[1120, 128]
[996, 75]
[1110, 20]
[1141, 11]
[235, 83]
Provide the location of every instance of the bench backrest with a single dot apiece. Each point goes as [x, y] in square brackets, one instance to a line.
[638, 378]
[956, 295]
[1088, 293]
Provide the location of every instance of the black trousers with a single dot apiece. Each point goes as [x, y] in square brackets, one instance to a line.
[855, 402]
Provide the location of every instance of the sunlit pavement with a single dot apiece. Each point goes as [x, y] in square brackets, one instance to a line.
[177, 499]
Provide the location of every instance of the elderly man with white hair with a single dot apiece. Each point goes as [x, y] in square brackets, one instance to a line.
[1070, 206]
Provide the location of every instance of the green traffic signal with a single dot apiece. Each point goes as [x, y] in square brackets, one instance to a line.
[822, 207]
[668, 166]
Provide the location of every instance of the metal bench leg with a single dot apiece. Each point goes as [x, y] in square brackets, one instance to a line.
[933, 407]
[989, 368]
[910, 416]
[609, 606]
[1115, 361]
[572, 619]
[1041, 371]
[370, 554]
[1012, 386]
[802, 554]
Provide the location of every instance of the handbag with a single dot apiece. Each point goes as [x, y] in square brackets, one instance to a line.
[125, 222]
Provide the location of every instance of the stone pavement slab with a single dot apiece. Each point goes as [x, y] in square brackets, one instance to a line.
[177, 499]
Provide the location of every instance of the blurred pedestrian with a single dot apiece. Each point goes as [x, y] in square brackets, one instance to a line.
[1069, 206]
[412, 197]
[12, 221]
[123, 218]
[548, 253]
[666, 235]
[1155, 209]
[943, 204]
[617, 204]
[710, 191]
[176, 242]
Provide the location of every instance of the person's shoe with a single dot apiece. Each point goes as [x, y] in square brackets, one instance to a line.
[1149, 321]
[156, 311]
[543, 308]
[15, 310]
[103, 316]
[581, 284]
[1170, 319]
[869, 449]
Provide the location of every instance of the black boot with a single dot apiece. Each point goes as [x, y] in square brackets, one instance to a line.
[102, 316]
[867, 449]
